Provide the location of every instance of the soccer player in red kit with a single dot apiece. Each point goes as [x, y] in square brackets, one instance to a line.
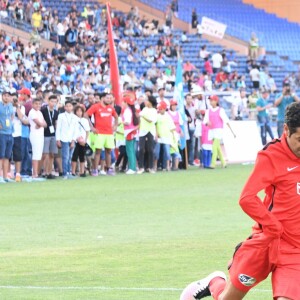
[104, 114]
[274, 246]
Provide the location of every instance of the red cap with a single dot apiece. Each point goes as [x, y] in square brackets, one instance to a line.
[25, 91]
[214, 98]
[69, 69]
[129, 100]
[202, 112]
[162, 105]
[173, 102]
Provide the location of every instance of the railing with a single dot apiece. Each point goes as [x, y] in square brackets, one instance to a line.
[22, 25]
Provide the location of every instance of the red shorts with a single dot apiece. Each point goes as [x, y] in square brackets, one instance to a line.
[259, 256]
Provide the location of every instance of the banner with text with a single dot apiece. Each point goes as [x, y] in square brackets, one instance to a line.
[213, 28]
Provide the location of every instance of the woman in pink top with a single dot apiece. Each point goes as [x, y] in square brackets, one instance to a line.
[176, 117]
[215, 118]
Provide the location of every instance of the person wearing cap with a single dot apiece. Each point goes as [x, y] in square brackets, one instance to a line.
[6, 131]
[165, 130]
[262, 106]
[147, 133]
[19, 120]
[176, 117]
[26, 167]
[215, 118]
[25, 96]
[206, 144]
[131, 122]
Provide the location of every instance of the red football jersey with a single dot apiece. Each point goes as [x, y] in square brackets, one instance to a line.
[277, 171]
[103, 117]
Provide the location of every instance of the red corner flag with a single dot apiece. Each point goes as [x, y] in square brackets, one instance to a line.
[113, 61]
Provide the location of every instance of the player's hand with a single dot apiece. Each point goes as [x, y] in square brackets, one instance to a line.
[94, 130]
[72, 145]
[273, 231]
[58, 144]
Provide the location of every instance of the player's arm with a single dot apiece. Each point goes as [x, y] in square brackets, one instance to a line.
[296, 98]
[261, 177]
[88, 114]
[225, 119]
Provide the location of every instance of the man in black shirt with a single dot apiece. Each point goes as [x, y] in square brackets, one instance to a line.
[50, 149]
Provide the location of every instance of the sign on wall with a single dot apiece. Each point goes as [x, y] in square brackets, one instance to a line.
[213, 28]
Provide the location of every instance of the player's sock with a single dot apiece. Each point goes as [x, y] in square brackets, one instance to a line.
[216, 287]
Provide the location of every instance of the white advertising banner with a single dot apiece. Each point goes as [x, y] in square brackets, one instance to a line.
[213, 28]
[247, 143]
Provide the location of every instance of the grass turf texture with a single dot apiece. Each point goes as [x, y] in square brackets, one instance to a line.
[149, 231]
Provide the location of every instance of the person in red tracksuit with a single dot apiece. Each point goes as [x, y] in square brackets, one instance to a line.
[274, 246]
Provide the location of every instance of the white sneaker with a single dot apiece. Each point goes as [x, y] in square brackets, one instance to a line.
[2, 180]
[141, 171]
[151, 171]
[200, 289]
[8, 180]
[130, 172]
[38, 179]
[102, 172]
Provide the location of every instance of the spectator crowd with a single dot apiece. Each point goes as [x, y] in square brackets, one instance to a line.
[58, 116]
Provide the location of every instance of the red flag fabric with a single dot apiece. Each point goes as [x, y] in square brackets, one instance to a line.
[113, 61]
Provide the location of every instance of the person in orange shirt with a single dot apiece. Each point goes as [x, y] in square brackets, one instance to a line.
[104, 114]
[274, 246]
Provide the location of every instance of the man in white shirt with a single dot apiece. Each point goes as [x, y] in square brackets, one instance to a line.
[216, 62]
[255, 77]
[66, 135]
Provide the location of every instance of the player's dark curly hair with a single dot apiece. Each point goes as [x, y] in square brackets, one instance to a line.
[292, 117]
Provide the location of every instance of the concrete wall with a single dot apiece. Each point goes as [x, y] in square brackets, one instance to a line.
[24, 36]
[289, 9]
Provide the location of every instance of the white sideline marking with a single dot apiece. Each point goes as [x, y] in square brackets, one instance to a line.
[101, 288]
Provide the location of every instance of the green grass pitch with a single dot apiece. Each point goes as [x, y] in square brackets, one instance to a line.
[149, 234]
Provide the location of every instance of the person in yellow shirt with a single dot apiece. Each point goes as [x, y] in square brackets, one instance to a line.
[36, 20]
[166, 131]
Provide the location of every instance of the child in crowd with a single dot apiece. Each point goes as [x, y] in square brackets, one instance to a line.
[165, 131]
[131, 122]
[215, 118]
[37, 125]
[83, 129]
[147, 134]
[66, 132]
[120, 144]
[206, 145]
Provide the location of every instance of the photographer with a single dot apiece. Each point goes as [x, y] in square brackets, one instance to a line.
[287, 97]
[19, 120]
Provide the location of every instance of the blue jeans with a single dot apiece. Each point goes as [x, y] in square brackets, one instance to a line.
[66, 156]
[280, 128]
[165, 148]
[206, 158]
[264, 123]
[26, 166]
[6, 146]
